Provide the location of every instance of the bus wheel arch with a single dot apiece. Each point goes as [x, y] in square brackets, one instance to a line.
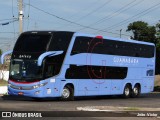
[136, 90]
[68, 92]
[127, 90]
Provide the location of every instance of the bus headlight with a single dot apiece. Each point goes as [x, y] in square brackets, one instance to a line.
[36, 86]
[43, 84]
[39, 85]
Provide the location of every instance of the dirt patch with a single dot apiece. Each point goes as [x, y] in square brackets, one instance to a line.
[3, 82]
[157, 83]
[157, 80]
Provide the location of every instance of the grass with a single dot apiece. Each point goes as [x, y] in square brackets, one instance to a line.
[3, 83]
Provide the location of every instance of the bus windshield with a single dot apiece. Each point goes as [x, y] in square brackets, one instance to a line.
[25, 70]
[32, 43]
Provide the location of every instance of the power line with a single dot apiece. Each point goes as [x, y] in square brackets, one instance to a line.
[154, 23]
[95, 10]
[84, 9]
[156, 6]
[113, 14]
[13, 19]
[6, 23]
[12, 10]
[28, 14]
[66, 20]
[6, 19]
[63, 19]
[122, 9]
[8, 32]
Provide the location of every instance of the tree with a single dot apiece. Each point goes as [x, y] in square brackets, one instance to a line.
[142, 31]
[158, 48]
[158, 34]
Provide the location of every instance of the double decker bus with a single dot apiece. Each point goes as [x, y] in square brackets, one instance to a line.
[69, 64]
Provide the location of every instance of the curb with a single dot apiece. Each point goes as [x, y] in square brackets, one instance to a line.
[148, 112]
[115, 109]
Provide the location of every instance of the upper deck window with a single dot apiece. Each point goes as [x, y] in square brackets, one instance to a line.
[111, 47]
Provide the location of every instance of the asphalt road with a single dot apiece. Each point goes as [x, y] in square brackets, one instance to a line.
[12, 103]
[19, 103]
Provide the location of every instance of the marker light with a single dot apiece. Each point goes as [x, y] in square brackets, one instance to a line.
[99, 37]
[20, 93]
[37, 92]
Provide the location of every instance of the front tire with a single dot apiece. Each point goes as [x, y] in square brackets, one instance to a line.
[127, 91]
[67, 93]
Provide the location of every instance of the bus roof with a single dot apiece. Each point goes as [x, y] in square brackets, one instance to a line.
[91, 35]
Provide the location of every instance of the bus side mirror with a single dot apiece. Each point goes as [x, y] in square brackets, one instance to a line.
[4, 54]
[49, 54]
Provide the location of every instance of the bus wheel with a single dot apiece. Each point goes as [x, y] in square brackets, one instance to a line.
[136, 91]
[127, 91]
[67, 93]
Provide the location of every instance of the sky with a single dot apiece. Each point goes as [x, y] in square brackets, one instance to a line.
[99, 17]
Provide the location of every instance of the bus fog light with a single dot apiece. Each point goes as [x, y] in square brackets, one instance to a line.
[36, 86]
[37, 92]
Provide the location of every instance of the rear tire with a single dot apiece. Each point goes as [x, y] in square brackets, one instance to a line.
[127, 91]
[136, 91]
[67, 93]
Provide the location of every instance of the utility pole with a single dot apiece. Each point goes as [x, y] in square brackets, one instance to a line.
[120, 33]
[20, 6]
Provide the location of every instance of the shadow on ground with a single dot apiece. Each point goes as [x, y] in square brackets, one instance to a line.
[109, 97]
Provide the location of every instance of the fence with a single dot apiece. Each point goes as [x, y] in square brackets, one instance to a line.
[4, 75]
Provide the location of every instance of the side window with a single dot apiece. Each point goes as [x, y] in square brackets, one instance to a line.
[98, 72]
[81, 45]
[112, 47]
[51, 67]
[49, 70]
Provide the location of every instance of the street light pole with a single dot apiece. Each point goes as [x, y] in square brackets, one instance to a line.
[20, 6]
[120, 33]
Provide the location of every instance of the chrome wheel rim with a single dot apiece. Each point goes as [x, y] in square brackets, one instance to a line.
[127, 91]
[65, 93]
[135, 90]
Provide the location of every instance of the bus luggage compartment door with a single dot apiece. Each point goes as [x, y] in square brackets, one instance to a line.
[88, 87]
